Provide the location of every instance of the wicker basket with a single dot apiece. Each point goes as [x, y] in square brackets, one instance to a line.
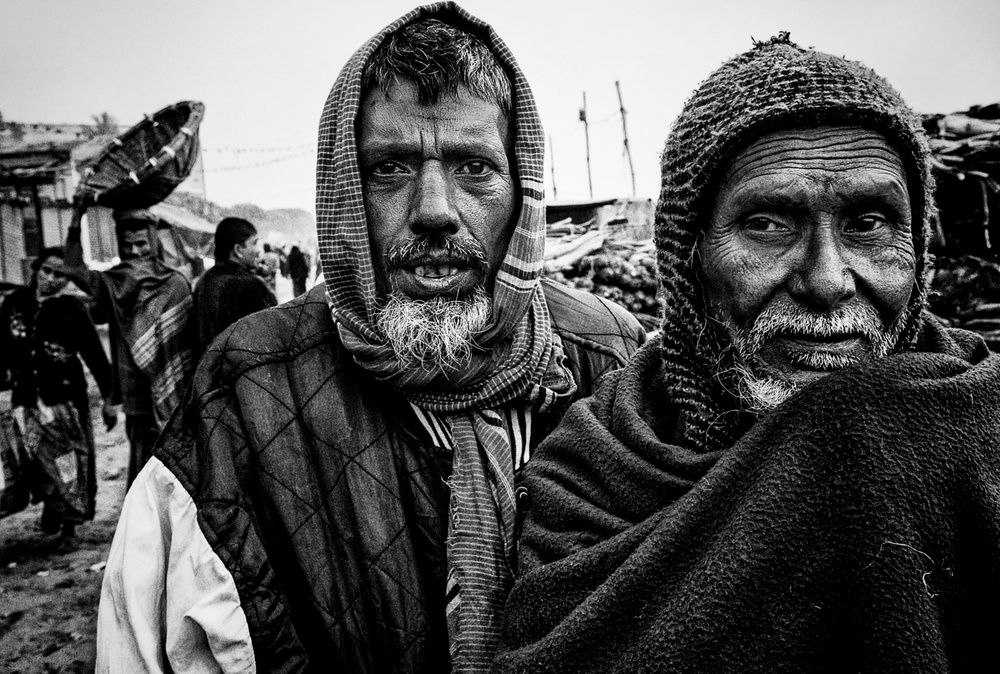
[146, 163]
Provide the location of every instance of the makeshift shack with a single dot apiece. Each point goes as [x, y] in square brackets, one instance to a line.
[40, 168]
[606, 247]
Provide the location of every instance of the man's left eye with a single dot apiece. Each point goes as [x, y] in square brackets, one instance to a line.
[865, 223]
[476, 167]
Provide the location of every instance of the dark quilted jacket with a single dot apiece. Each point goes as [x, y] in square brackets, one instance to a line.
[328, 510]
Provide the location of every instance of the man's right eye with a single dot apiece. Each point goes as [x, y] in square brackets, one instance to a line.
[763, 225]
[387, 168]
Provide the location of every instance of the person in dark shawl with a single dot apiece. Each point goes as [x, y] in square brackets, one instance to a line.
[231, 289]
[801, 472]
[149, 309]
[338, 492]
[45, 331]
[298, 269]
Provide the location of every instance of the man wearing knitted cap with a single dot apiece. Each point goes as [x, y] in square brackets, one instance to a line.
[149, 310]
[801, 473]
[338, 492]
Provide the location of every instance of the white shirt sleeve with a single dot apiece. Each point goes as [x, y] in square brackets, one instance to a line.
[168, 603]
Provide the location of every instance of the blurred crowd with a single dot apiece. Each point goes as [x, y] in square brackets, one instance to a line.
[159, 322]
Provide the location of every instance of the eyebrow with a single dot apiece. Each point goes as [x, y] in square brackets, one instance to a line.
[408, 147]
[876, 193]
[746, 201]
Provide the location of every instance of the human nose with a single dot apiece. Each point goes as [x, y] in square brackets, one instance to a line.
[432, 208]
[824, 278]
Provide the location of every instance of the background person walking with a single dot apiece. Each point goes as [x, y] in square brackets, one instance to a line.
[298, 269]
[44, 332]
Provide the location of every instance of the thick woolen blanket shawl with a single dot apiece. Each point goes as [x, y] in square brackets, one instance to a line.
[854, 529]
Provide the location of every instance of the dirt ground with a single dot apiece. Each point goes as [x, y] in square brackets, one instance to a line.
[48, 599]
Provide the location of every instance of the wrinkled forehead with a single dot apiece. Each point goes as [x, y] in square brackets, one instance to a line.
[852, 162]
[818, 148]
[397, 113]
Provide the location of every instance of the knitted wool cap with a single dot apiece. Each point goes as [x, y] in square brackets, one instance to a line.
[776, 85]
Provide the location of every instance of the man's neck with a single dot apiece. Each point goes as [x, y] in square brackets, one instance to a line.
[234, 261]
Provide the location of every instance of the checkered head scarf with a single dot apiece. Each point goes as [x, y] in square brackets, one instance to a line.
[518, 362]
[776, 85]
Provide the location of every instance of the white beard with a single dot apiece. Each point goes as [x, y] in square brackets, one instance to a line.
[761, 393]
[435, 333]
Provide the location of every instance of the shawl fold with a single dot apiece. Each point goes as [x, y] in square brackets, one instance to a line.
[854, 528]
[55, 437]
[155, 313]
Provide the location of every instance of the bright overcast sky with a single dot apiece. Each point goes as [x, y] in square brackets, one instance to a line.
[263, 70]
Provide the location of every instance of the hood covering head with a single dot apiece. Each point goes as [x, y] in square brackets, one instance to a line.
[346, 254]
[516, 362]
[776, 85]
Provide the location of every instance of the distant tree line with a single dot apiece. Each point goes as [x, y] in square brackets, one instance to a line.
[104, 124]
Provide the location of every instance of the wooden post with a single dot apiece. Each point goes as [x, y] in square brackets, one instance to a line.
[3, 246]
[628, 152]
[78, 210]
[552, 168]
[37, 204]
[586, 134]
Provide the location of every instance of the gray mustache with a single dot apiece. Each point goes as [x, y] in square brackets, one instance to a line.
[456, 250]
[792, 320]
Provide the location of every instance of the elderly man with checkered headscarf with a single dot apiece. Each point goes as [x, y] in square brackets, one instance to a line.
[800, 473]
[338, 491]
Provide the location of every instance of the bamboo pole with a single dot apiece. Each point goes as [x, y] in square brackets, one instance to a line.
[586, 134]
[552, 168]
[628, 152]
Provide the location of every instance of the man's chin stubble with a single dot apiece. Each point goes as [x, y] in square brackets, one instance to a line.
[435, 333]
[762, 388]
[760, 393]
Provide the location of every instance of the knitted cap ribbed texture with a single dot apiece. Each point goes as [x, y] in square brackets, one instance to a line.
[776, 85]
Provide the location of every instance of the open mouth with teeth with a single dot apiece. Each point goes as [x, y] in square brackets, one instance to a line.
[435, 270]
[428, 277]
[436, 265]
